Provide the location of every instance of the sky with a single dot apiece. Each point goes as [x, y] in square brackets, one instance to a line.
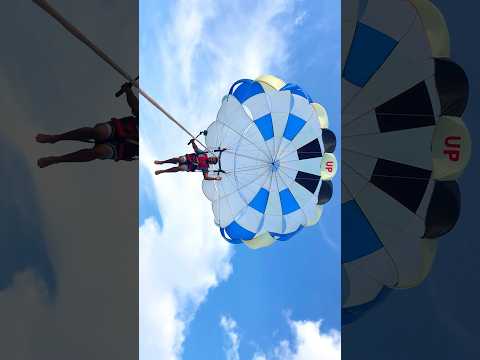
[200, 297]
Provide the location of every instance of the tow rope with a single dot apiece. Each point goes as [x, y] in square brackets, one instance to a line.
[43, 4]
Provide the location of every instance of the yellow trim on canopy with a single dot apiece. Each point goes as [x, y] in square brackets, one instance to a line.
[260, 241]
[273, 82]
[435, 27]
[321, 115]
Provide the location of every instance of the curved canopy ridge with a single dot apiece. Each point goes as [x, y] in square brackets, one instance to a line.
[404, 144]
[268, 137]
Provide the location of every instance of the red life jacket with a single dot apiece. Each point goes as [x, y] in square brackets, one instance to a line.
[125, 128]
[126, 151]
[202, 161]
[197, 162]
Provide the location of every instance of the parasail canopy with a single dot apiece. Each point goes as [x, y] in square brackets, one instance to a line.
[404, 144]
[276, 162]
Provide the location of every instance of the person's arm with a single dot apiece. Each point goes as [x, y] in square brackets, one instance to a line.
[132, 101]
[195, 147]
[208, 177]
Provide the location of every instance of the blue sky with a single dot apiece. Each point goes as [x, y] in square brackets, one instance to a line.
[201, 298]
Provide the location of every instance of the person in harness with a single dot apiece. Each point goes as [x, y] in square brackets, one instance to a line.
[197, 161]
[116, 139]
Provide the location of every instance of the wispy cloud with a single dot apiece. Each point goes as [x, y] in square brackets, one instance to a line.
[188, 63]
[300, 18]
[259, 356]
[229, 326]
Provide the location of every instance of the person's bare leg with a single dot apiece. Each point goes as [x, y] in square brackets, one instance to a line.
[99, 133]
[98, 152]
[174, 160]
[170, 170]
[82, 134]
[77, 156]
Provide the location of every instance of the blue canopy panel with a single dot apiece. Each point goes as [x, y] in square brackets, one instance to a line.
[288, 202]
[297, 90]
[237, 230]
[259, 202]
[354, 223]
[285, 237]
[236, 233]
[293, 127]
[369, 50]
[265, 126]
[246, 89]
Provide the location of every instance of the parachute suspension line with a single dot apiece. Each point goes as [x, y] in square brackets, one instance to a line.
[241, 187]
[43, 4]
[247, 169]
[247, 156]
[280, 170]
[245, 138]
[295, 160]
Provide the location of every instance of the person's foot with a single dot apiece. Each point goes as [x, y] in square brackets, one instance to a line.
[158, 162]
[46, 161]
[158, 172]
[46, 139]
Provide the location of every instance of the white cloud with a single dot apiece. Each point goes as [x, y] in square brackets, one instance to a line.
[310, 343]
[230, 327]
[259, 356]
[191, 59]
